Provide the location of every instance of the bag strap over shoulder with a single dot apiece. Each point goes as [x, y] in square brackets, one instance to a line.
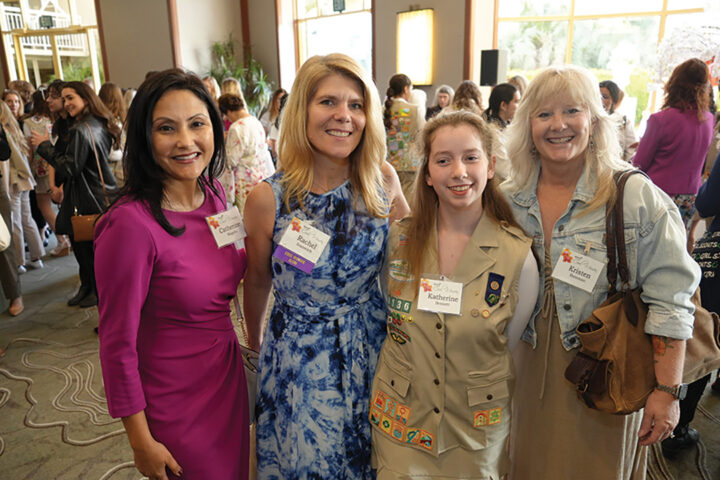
[615, 235]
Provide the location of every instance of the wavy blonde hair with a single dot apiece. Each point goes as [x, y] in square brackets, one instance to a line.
[296, 153]
[602, 155]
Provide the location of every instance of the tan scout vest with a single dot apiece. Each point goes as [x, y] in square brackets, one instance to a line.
[444, 381]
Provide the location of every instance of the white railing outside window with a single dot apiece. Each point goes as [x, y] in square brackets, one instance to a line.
[13, 20]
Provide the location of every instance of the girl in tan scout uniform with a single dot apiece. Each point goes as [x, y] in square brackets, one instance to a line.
[440, 399]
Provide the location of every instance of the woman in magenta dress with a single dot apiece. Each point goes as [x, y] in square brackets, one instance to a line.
[170, 357]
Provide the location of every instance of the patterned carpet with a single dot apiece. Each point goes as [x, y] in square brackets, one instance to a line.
[53, 417]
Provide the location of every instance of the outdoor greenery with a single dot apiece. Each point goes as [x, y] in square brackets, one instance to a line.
[77, 70]
[255, 84]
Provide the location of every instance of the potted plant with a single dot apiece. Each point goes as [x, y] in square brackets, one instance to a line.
[255, 84]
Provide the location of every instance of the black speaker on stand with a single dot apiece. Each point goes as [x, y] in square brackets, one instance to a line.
[493, 67]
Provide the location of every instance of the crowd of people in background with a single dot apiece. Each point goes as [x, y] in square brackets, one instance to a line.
[356, 354]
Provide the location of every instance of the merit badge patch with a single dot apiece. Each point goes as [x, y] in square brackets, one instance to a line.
[383, 405]
[480, 419]
[494, 288]
[483, 418]
[400, 270]
[398, 335]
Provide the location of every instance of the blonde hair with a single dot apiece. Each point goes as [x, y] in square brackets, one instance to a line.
[15, 137]
[602, 155]
[424, 200]
[231, 85]
[295, 152]
[212, 86]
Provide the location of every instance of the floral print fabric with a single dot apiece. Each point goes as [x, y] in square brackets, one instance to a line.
[248, 159]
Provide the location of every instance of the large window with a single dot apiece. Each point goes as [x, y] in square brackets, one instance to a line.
[617, 39]
[322, 30]
[48, 39]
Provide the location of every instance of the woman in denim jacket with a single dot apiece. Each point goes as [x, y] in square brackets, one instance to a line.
[564, 152]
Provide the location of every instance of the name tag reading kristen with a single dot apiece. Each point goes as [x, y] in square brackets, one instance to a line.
[577, 270]
[440, 296]
[227, 227]
[301, 245]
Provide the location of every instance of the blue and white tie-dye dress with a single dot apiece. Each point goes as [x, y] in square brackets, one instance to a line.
[320, 348]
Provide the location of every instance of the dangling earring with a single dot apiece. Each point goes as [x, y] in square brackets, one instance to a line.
[533, 150]
[592, 146]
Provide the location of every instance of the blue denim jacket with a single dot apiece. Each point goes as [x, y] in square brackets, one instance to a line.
[656, 255]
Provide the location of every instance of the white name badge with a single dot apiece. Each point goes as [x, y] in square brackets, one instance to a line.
[301, 245]
[577, 270]
[440, 296]
[227, 227]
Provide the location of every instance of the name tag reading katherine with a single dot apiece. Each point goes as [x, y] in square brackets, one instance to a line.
[227, 227]
[440, 296]
[578, 270]
[301, 245]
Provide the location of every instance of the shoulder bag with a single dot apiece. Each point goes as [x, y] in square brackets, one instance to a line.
[614, 370]
[83, 226]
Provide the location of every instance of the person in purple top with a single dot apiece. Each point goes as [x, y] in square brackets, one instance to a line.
[171, 361]
[672, 151]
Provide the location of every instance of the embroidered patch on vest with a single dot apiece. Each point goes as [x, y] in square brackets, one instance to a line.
[399, 304]
[482, 418]
[391, 417]
[418, 436]
[399, 270]
[493, 289]
[383, 404]
[398, 335]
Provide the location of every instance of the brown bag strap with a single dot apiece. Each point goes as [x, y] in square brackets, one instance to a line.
[97, 159]
[615, 235]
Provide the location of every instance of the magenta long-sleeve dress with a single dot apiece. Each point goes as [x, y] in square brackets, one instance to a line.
[167, 344]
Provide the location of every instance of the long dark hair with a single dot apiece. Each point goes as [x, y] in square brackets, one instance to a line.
[95, 107]
[144, 178]
[503, 92]
[398, 82]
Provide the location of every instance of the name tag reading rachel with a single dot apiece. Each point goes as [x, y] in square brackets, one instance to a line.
[301, 245]
[440, 296]
[577, 270]
[227, 227]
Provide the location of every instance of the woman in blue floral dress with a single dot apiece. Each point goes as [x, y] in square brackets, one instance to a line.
[316, 233]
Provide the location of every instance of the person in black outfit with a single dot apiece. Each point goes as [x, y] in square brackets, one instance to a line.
[90, 139]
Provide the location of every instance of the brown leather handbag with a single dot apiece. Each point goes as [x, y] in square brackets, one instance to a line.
[614, 369]
[83, 226]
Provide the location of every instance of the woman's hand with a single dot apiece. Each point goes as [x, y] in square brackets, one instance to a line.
[56, 194]
[152, 458]
[37, 138]
[662, 413]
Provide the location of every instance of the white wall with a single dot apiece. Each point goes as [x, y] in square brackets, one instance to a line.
[137, 39]
[263, 39]
[200, 24]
